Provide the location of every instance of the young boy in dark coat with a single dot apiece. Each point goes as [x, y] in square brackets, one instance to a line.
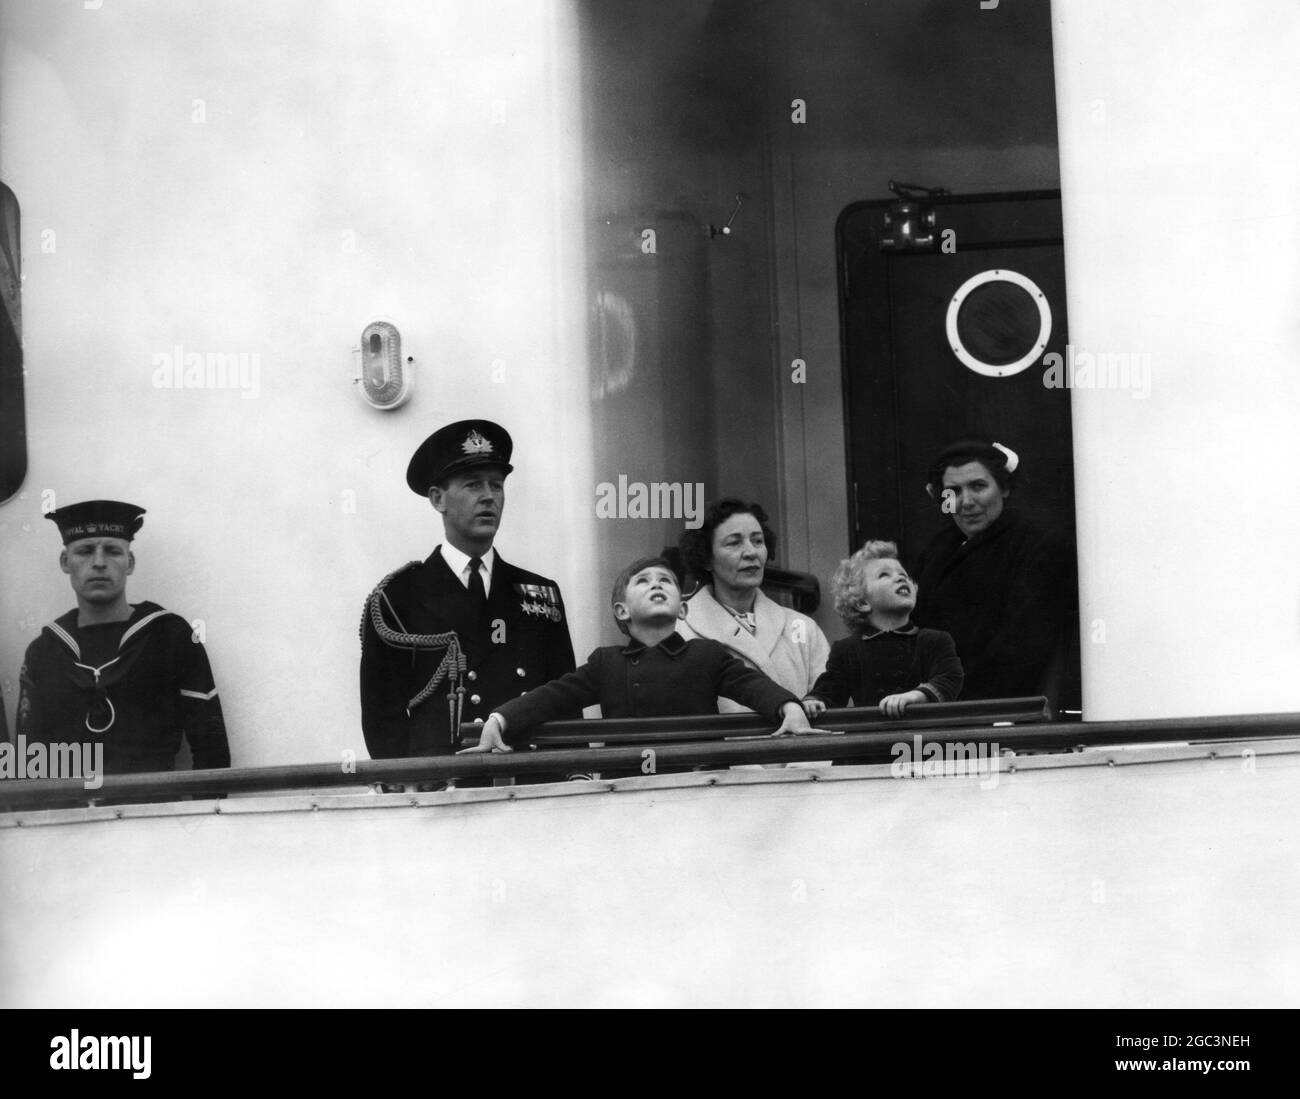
[658, 673]
[887, 662]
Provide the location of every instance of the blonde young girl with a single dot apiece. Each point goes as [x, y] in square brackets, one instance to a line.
[887, 662]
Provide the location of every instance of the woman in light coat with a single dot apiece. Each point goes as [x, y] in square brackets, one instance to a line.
[729, 552]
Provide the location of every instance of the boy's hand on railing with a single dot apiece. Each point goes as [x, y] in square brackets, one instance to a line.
[795, 721]
[813, 706]
[894, 705]
[491, 739]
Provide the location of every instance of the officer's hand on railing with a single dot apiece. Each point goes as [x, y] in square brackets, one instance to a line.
[491, 739]
[813, 706]
[894, 705]
[794, 721]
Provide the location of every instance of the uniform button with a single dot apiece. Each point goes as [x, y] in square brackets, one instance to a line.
[519, 672]
[475, 699]
[472, 676]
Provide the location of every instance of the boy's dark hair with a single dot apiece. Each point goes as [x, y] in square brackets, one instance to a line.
[697, 545]
[624, 578]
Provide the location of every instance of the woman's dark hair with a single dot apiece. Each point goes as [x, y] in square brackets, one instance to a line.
[1003, 464]
[697, 545]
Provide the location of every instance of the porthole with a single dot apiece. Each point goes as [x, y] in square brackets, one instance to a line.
[999, 323]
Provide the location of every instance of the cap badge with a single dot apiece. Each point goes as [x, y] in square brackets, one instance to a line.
[475, 444]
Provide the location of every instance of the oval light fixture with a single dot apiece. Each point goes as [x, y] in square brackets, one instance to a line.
[385, 376]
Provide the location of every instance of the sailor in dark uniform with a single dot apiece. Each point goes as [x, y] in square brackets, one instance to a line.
[450, 638]
[128, 675]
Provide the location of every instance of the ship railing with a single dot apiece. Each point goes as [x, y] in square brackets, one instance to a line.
[709, 741]
[718, 727]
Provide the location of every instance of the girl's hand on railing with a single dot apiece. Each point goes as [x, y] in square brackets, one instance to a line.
[894, 705]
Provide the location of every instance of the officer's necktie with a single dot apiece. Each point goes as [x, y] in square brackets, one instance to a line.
[477, 592]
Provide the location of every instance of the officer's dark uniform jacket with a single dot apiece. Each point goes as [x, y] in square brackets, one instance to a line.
[136, 686]
[520, 642]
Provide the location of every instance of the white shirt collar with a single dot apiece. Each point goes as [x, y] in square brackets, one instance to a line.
[459, 564]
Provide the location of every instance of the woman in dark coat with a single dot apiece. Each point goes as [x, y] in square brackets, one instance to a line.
[1003, 588]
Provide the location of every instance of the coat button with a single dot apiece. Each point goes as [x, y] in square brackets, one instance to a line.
[475, 699]
[472, 676]
[519, 672]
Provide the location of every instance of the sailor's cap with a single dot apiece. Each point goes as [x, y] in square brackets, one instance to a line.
[97, 519]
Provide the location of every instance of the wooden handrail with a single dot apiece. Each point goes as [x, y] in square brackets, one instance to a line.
[868, 747]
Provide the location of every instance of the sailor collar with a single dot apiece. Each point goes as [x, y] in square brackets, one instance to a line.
[111, 672]
[142, 614]
[674, 644]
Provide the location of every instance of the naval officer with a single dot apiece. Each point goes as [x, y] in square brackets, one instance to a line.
[131, 676]
[451, 638]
